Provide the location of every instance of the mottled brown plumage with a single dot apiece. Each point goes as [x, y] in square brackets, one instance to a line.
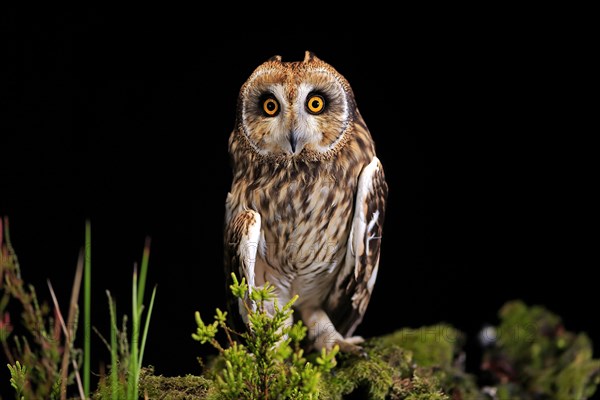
[307, 202]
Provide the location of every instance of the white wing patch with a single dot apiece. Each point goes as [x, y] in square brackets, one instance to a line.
[359, 224]
[247, 250]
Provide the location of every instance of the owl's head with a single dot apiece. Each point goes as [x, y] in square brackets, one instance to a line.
[290, 108]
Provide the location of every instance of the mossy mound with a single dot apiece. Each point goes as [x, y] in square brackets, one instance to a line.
[411, 364]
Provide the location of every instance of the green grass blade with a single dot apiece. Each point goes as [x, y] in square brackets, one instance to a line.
[146, 326]
[114, 357]
[132, 389]
[87, 294]
[143, 274]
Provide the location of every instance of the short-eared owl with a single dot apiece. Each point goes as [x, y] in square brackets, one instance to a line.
[307, 202]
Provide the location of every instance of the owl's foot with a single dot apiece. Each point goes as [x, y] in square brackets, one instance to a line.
[323, 334]
[351, 345]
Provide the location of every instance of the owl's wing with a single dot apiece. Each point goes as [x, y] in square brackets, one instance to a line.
[242, 234]
[350, 296]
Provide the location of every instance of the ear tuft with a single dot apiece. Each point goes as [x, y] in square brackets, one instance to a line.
[275, 58]
[309, 56]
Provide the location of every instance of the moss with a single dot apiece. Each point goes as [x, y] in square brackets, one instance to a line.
[437, 354]
[375, 375]
[188, 387]
[409, 364]
[435, 345]
[151, 386]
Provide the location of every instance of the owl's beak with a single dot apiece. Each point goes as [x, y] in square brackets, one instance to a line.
[293, 138]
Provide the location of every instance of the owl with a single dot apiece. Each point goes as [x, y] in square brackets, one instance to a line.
[307, 202]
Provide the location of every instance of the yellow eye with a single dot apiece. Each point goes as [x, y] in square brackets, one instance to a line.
[270, 106]
[315, 104]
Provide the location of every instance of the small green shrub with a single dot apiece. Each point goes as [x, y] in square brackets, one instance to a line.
[269, 362]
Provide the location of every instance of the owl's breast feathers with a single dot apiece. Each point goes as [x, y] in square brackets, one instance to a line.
[307, 213]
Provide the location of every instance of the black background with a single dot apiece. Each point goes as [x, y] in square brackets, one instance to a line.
[123, 118]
